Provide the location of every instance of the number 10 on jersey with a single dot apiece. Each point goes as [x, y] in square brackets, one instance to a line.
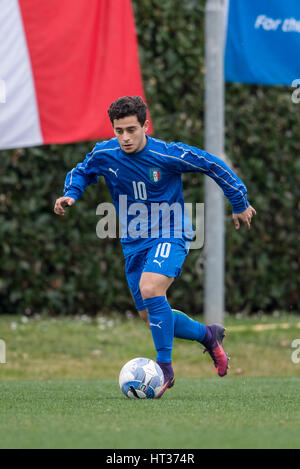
[139, 190]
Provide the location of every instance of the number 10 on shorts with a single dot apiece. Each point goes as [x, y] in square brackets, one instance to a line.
[163, 250]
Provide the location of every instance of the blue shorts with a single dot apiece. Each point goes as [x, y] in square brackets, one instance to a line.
[165, 258]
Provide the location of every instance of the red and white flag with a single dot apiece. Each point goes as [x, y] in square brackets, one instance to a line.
[62, 63]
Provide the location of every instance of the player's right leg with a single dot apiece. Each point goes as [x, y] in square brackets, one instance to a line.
[184, 326]
[153, 287]
[144, 316]
[155, 300]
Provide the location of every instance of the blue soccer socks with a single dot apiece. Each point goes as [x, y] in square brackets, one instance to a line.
[167, 323]
[161, 319]
[187, 328]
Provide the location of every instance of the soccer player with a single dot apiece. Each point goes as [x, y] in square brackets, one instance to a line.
[143, 175]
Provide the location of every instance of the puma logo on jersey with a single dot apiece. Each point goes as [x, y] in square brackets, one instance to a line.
[158, 262]
[114, 171]
[156, 325]
[183, 154]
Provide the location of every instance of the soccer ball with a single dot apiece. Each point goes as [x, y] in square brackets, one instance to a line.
[141, 378]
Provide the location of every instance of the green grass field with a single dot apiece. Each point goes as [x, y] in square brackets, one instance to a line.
[59, 387]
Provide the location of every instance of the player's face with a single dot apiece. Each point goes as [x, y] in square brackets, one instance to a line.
[130, 134]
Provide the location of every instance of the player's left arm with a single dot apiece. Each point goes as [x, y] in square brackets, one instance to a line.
[191, 159]
[245, 217]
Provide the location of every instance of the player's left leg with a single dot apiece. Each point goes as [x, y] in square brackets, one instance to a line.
[184, 326]
[210, 336]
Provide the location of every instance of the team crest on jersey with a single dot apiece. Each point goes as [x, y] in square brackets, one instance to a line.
[155, 174]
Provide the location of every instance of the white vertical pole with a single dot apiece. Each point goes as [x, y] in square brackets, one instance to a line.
[214, 143]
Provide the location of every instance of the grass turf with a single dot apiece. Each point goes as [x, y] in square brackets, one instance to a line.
[59, 387]
[196, 413]
[66, 348]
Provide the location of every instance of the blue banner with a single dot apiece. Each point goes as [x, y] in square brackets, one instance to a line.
[263, 42]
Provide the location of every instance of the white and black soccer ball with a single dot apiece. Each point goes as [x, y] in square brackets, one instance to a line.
[141, 378]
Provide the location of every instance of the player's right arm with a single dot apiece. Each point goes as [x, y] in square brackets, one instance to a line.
[61, 203]
[77, 180]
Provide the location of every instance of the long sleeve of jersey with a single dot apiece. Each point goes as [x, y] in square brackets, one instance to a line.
[82, 175]
[191, 159]
[122, 172]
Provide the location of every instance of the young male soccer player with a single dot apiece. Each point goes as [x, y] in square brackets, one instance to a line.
[143, 175]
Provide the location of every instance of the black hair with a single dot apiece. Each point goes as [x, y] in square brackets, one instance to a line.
[128, 106]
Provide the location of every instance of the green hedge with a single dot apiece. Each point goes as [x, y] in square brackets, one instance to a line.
[58, 265]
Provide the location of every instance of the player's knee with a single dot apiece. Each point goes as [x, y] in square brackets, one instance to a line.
[148, 290]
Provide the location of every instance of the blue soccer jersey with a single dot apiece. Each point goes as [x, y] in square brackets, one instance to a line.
[146, 187]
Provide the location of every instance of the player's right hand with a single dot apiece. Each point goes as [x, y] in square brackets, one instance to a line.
[61, 203]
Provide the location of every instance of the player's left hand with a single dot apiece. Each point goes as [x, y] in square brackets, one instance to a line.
[244, 217]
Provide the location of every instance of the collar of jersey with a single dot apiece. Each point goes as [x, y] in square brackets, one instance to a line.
[138, 153]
